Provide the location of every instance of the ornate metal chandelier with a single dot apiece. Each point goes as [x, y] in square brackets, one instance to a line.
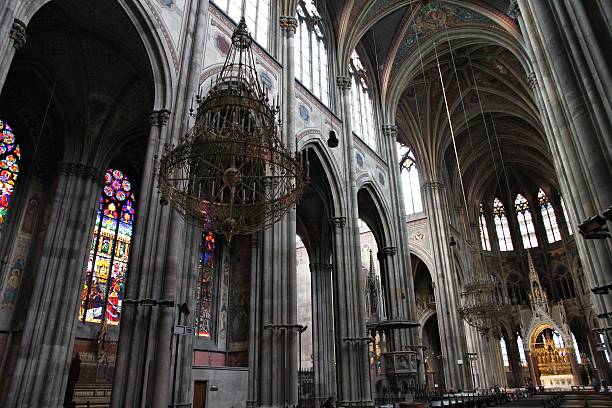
[482, 306]
[231, 173]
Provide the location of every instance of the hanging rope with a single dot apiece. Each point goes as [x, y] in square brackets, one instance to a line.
[450, 124]
[467, 125]
[484, 121]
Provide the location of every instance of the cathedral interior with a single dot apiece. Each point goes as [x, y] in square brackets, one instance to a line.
[244, 203]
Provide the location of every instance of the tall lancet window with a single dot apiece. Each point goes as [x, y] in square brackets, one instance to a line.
[567, 220]
[521, 349]
[204, 285]
[504, 352]
[256, 14]
[311, 60]
[501, 226]
[411, 186]
[523, 213]
[103, 290]
[484, 232]
[362, 110]
[549, 218]
[10, 154]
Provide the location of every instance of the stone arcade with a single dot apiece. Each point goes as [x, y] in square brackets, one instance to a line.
[441, 242]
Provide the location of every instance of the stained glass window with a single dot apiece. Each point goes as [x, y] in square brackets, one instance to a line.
[104, 285]
[549, 218]
[523, 213]
[256, 14]
[504, 352]
[501, 226]
[567, 220]
[361, 103]
[204, 284]
[410, 180]
[484, 232]
[10, 154]
[311, 65]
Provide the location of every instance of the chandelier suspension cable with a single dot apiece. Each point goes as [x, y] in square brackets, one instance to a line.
[450, 124]
[484, 121]
[416, 101]
[467, 125]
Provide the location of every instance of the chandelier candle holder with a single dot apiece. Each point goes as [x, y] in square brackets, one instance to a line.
[231, 173]
[482, 306]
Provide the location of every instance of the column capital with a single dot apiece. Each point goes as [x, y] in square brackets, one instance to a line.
[338, 222]
[386, 252]
[513, 9]
[533, 80]
[319, 267]
[389, 130]
[80, 170]
[159, 117]
[18, 33]
[288, 23]
[343, 82]
[433, 185]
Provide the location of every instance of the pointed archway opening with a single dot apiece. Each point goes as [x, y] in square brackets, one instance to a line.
[551, 358]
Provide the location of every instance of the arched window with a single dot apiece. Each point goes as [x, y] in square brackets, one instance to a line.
[311, 60]
[256, 14]
[523, 213]
[10, 154]
[549, 218]
[204, 284]
[410, 180]
[567, 220]
[564, 284]
[361, 103]
[501, 226]
[504, 352]
[110, 248]
[521, 349]
[484, 232]
[557, 340]
[576, 350]
[516, 289]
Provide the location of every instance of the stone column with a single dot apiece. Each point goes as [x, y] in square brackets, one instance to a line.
[41, 371]
[452, 336]
[128, 384]
[515, 362]
[323, 332]
[390, 290]
[351, 358]
[578, 132]
[276, 350]
[10, 43]
[402, 298]
[358, 390]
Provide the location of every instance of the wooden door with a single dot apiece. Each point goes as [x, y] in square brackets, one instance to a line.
[199, 394]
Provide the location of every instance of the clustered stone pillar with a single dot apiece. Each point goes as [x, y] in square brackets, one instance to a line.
[45, 353]
[323, 331]
[353, 389]
[452, 335]
[275, 377]
[573, 86]
[132, 363]
[12, 38]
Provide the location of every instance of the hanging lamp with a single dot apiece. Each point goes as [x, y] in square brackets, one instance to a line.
[231, 173]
